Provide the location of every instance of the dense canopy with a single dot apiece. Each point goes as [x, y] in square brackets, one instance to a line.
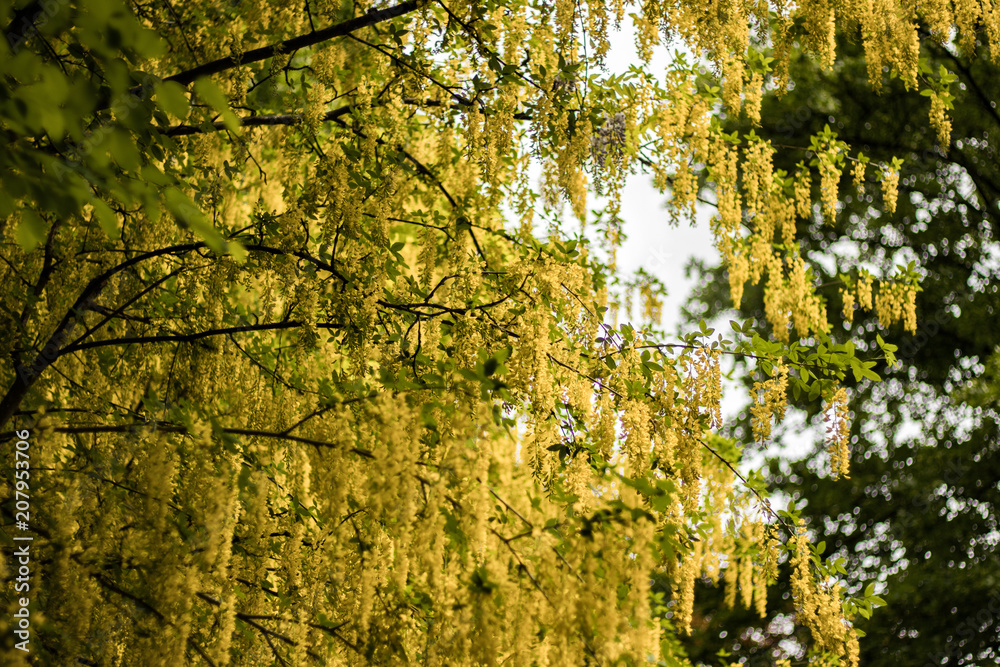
[307, 370]
[920, 510]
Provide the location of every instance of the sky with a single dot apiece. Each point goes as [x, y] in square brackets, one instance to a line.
[664, 250]
[653, 243]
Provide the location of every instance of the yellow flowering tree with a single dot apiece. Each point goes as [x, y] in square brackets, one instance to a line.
[301, 379]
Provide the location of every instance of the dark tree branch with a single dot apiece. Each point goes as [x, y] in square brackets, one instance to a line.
[118, 312]
[146, 606]
[421, 169]
[252, 618]
[460, 104]
[26, 376]
[296, 43]
[404, 64]
[169, 427]
[188, 337]
[257, 121]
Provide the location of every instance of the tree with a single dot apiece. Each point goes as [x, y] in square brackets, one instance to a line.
[293, 377]
[924, 440]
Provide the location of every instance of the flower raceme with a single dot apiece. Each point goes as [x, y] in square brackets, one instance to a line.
[334, 395]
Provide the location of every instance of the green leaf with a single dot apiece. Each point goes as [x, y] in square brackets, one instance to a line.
[212, 95]
[153, 175]
[189, 215]
[237, 251]
[870, 374]
[468, 374]
[31, 231]
[124, 151]
[172, 98]
[107, 219]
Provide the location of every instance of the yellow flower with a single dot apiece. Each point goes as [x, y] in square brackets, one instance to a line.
[890, 189]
